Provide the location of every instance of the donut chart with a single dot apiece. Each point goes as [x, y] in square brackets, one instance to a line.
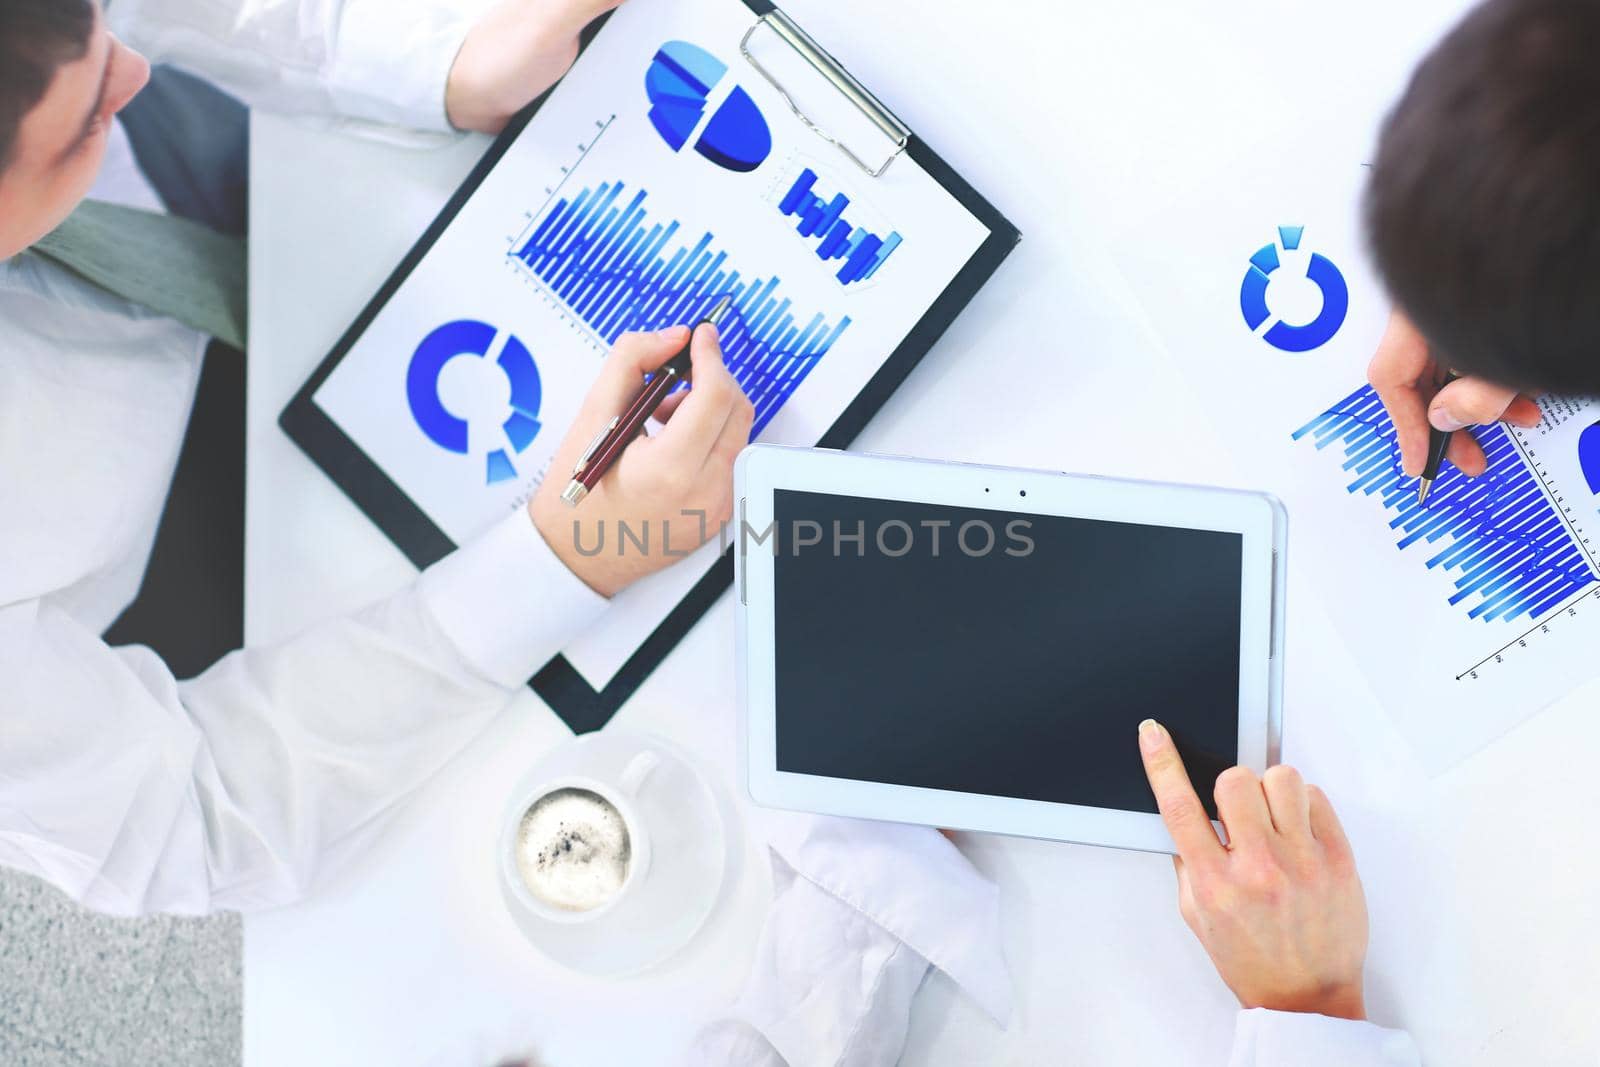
[1285, 336]
[468, 337]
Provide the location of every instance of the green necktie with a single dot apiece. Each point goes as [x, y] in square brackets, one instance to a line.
[170, 265]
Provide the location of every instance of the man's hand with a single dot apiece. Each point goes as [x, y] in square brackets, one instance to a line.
[1279, 908]
[672, 491]
[1406, 377]
[516, 51]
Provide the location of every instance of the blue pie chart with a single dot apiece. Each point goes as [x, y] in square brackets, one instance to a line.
[1589, 456]
[678, 82]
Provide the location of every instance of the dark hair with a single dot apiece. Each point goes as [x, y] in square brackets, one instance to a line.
[1484, 205]
[36, 37]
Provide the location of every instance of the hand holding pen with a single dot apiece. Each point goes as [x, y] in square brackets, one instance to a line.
[660, 485]
[1444, 422]
[1438, 445]
[1406, 377]
[608, 444]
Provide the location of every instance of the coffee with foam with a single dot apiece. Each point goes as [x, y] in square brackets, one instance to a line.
[573, 850]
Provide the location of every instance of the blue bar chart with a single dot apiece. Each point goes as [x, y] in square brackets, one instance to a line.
[1506, 545]
[601, 255]
[863, 252]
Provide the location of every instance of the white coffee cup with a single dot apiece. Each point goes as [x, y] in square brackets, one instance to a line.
[621, 797]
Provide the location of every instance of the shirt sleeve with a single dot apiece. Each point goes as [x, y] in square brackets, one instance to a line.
[136, 793]
[829, 988]
[861, 911]
[382, 61]
[1291, 1039]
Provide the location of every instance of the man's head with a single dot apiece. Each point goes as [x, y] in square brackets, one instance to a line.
[62, 78]
[1484, 206]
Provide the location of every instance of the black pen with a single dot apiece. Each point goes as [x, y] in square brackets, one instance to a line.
[1438, 445]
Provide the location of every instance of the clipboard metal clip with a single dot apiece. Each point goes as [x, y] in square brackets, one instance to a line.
[823, 63]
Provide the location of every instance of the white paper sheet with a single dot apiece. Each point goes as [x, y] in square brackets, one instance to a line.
[1467, 616]
[646, 149]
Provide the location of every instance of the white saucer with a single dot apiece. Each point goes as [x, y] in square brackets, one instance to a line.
[688, 849]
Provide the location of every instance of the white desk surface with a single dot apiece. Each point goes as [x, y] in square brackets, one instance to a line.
[1485, 920]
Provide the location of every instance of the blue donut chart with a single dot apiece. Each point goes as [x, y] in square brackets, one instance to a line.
[468, 337]
[1321, 271]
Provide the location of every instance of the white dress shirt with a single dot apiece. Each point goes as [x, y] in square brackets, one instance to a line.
[129, 790]
[863, 911]
[135, 792]
[384, 62]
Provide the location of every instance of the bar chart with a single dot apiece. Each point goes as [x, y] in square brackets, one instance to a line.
[863, 252]
[1509, 549]
[600, 254]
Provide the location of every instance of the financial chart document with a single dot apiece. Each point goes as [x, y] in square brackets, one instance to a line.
[663, 173]
[1482, 607]
[1468, 614]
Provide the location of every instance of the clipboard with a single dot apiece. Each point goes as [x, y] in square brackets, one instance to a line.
[585, 707]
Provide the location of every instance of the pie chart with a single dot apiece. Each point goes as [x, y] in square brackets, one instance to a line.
[1589, 456]
[678, 83]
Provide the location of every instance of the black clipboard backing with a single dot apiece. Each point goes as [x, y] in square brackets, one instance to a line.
[559, 683]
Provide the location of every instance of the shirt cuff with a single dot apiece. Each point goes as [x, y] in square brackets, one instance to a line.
[860, 911]
[507, 602]
[392, 66]
[829, 988]
[1265, 1038]
[914, 884]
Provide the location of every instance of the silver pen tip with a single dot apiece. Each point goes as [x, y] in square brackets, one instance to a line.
[574, 493]
[716, 314]
[1423, 487]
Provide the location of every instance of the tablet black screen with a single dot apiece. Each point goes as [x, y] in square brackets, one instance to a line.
[1000, 652]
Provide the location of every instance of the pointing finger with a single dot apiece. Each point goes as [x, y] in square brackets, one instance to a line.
[1180, 807]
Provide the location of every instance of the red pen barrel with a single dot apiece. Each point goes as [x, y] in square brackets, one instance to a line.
[629, 424]
[607, 448]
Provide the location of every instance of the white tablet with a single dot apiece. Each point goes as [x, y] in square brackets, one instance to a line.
[974, 647]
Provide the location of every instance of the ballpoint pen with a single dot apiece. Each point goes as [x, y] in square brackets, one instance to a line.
[1438, 445]
[620, 431]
